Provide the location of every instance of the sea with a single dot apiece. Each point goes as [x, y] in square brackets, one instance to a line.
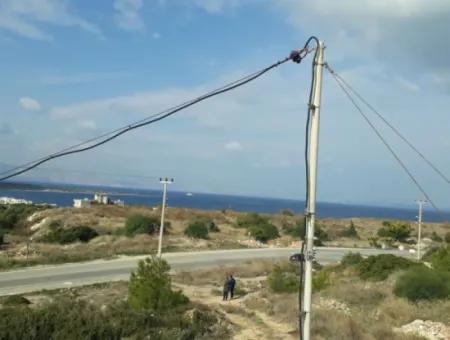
[63, 196]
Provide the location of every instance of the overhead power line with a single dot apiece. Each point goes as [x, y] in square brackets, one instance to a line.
[394, 129]
[296, 56]
[385, 142]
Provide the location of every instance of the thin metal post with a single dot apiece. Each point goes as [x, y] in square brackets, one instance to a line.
[311, 204]
[161, 227]
[419, 234]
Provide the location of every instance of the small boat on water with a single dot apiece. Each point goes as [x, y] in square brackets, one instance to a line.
[189, 194]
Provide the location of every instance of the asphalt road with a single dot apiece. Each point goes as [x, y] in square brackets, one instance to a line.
[78, 274]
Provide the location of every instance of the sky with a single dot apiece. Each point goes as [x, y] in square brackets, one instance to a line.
[71, 70]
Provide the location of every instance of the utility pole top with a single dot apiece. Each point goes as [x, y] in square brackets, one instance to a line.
[165, 180]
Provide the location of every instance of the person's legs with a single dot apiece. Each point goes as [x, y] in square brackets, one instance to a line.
[231, 293]
[225, 295]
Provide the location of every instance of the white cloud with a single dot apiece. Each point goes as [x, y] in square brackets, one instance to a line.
[217, 6]
[127, 14]
[233, 146]
[29, 104]
[88, 124]
[23, 17]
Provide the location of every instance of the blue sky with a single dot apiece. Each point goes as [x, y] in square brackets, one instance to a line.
[74, 69]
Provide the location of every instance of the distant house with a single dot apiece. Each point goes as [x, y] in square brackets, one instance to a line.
[82, 203]
[101, 198]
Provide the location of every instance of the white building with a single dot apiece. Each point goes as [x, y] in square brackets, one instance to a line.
[11, 200]
[101, 198]
[81, 203]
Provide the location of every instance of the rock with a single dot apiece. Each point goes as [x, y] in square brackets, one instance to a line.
[427, 329]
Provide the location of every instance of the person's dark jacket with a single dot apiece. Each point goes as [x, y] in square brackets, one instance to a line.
[232, 283]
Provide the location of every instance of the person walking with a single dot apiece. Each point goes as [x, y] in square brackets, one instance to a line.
[231, 284]
[226, 289]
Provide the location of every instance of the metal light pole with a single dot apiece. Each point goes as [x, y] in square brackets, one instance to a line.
[419, 220]
[312, 183]
[164, 182]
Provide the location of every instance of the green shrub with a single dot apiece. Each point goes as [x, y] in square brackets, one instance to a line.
[251, 219]
[139, 224]
[2, 236]
[197, 229]
[61, 235]
[422, 283]
[321, 280]
[350, 231]
[439, 258]
[150, 287]
[16, 300]
[299, 231]
[264, 232]
[351, 259]
[447, 237]
[435, 237]
[396, 231]
[283, 279]
[58, 234]
[296, 231]
[77, 319]
[287, 212]
[379, 267]
[12, 216]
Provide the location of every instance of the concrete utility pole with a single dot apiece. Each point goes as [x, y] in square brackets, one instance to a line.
[312, 182]
[164, 182]
[419, 221]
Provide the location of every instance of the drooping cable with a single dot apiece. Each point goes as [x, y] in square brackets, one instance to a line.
[394, 129]
[384, 141]
[295, 55]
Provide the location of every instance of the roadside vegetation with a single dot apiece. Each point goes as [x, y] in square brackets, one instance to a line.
[32, 235]
[152, 311]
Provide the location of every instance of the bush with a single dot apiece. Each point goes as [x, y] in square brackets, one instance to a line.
[287, 212]
[264, 232]
[283, 279]
[12, 216]
[296, 231]
[422, 283]
[16, 300]
[2, 236]
[197, 229]
[76, 319]
[447, 237]
[351, 259]
[150, 287]
[379, 267]
[350, 231]
[439, 258]
[58, 234]
[396, 231]
[139, 224]
[435, 237]
[321, 280]
[252, 219]
[299, 230]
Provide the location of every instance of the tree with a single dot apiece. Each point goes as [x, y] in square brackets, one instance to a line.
[150, 287]
[139, 224]
[396, 231]
[264, 232]
[197, 229]
[2, 236]
[350, 231]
